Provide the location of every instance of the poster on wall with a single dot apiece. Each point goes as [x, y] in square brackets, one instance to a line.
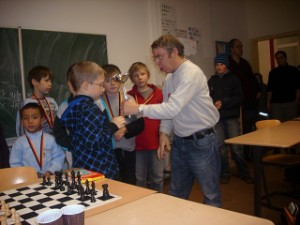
[222, 47]
[168, 19]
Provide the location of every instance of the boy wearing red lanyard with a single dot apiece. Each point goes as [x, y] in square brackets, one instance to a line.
[124, 141]
[147, 162]
[36, 148]
[40, 81]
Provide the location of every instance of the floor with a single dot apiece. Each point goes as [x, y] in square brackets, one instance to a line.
[238, 196]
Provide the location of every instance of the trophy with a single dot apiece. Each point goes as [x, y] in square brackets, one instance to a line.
[122, 78]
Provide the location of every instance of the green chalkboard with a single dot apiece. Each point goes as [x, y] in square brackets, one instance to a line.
[56, 50]
[10, 80]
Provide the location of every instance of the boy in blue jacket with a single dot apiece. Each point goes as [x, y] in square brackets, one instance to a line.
[36, 148]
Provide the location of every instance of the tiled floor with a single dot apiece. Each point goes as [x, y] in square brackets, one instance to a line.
[238, 196]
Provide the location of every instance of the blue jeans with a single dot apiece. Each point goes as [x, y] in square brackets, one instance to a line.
[196, 159]
[229, 128]
[147, 164]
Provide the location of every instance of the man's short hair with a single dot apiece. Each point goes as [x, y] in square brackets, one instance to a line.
[169, 42]
[231, 42]
[280, 52]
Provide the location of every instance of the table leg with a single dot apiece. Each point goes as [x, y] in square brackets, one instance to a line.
[257, 180]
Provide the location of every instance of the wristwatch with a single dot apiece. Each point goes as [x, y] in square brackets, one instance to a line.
[141, 109]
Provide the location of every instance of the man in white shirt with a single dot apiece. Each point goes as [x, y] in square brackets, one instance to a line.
[187, 110]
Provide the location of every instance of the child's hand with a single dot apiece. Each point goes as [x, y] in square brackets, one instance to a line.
[119, 121]
[218, 104]
[120, 133]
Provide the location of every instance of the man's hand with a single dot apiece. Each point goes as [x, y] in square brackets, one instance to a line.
[130, 107]
[164, 145]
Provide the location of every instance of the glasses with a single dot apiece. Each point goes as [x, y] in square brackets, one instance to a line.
[101, 85]
[159, 58]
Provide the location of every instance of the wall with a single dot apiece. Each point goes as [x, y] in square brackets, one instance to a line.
[272, 17]
[132, 25]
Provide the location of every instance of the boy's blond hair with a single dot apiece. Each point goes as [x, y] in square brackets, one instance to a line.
[135, 67]
[84, 71]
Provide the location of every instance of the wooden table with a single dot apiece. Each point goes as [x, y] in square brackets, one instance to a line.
[164, 209]
[128, 193]
[284, 135]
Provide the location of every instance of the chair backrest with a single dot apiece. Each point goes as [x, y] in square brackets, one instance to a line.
[9, 177]
[266, 123]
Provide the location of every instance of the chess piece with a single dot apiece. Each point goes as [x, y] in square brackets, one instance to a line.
[78, 175]
[105, 192]
[3, 220]
[44, 180]
[62, 187]
[49, 181]
[7, 211]
[69, 189]
[93, 188]
[3, 205]
[93, 199]
[13, 214]
[66, 178]
[87, 189]
[17, 219]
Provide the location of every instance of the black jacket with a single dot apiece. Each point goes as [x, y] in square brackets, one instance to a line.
[228, 90]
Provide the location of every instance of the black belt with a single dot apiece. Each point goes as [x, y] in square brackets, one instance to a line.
[199, 134]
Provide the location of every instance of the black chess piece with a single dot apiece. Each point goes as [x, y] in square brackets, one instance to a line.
[93, 199]
[49, 183]
[62, 187]
[93, 188]
[69, 189]
[87, 188]
[66, 178]
[72, 174]
[105, 195]
[81, 191]
[44, 180]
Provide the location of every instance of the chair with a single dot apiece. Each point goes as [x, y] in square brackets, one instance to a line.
[9, 177]
[281, 160]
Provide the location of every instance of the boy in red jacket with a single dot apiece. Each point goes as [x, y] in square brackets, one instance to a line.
[147, 142]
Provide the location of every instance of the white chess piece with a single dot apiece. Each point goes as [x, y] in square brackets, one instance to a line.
[17, 219]
[13, 214]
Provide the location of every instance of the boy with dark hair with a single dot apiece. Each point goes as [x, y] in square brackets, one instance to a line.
[124, 141]
[40, 81]
[89, 131]
[36, 148]
[227, 94]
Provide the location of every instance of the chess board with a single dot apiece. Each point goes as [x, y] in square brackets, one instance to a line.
[32, 200]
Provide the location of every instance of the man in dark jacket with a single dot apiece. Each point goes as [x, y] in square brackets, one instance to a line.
[226, 92]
